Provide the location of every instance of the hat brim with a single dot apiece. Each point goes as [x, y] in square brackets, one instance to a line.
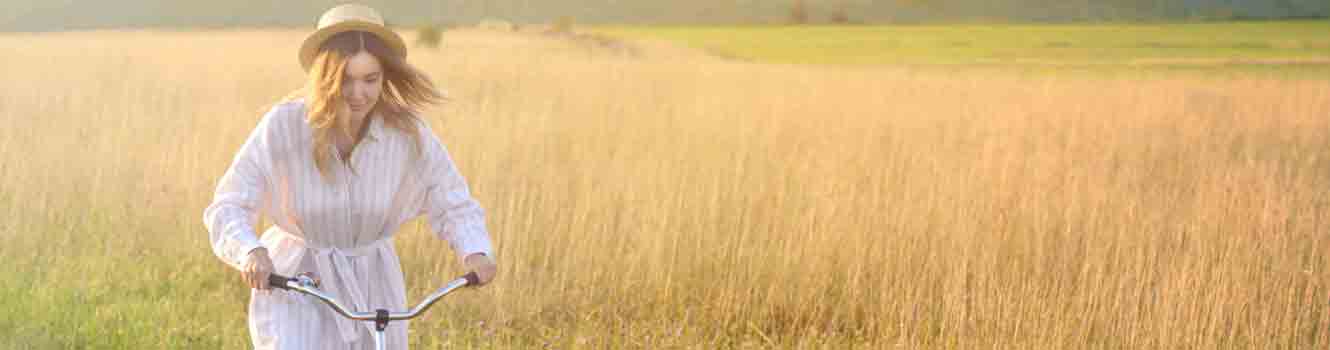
[310, 47]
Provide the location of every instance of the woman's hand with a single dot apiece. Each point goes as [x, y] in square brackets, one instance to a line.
[257, 268]
[483, 266]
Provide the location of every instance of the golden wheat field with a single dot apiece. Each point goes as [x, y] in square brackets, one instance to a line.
[656, 198]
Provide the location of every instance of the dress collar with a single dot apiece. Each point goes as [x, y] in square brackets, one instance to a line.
[375, 128]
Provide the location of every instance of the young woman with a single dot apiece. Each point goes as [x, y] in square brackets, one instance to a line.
[338, 167]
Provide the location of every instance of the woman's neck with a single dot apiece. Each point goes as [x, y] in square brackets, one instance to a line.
[358, 130]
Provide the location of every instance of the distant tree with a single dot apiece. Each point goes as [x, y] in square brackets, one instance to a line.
[840, 16]
[798, 13]
[1136, 9]
[915, 3]
[1288, 8]
[429, 36]
[926, 5]
[563, 24]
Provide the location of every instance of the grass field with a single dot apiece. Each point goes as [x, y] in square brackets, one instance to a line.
[1287, 47]
[671, 200]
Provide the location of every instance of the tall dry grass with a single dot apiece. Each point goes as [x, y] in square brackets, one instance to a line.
[667, 200]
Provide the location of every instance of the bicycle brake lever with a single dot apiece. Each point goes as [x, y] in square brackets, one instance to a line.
[308, 280]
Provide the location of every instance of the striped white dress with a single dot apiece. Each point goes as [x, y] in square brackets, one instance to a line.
[340, 230]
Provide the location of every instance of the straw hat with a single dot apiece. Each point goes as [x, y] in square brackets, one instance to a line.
[345, 18]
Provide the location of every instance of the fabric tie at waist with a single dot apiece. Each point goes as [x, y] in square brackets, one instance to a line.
[332, 262]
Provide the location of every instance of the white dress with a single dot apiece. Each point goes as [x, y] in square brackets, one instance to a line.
[340, 230]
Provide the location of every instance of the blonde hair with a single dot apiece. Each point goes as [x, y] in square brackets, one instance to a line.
[406, 90]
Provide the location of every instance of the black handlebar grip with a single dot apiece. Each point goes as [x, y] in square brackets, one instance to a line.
[471, 279]
[279, 281]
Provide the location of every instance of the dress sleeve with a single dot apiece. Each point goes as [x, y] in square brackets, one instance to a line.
[240, 193]
[453, 215]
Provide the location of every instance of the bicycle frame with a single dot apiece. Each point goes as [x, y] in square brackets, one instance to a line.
[381, 317]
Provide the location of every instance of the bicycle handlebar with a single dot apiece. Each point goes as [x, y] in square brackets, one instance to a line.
[307, 286]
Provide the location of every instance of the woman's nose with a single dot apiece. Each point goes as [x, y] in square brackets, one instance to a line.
[356, 92]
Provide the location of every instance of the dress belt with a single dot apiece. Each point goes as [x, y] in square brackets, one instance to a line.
[332, 261]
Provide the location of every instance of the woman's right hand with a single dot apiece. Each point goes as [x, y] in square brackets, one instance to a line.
[257, 268]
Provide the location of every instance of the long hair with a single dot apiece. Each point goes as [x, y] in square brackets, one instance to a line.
[406, 90]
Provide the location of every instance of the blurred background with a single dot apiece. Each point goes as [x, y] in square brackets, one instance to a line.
[72, 14]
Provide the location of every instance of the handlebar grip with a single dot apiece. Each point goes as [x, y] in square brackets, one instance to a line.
[279, 281]
[471, 279]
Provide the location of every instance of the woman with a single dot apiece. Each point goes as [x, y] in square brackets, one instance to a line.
[338, 167]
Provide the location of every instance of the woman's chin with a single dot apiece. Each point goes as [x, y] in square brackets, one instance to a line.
[359, 114]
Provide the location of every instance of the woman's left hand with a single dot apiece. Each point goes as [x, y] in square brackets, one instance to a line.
[483, 266]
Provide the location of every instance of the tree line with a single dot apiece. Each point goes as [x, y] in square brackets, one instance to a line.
[85, 14]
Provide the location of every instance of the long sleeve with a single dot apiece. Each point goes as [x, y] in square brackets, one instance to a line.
[453, 214]
[237, 202]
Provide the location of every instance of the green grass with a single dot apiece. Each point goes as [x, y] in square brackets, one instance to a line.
[1164, 45]
[73, 286]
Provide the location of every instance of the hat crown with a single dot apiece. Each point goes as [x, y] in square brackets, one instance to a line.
[350, 12]
[344, 18]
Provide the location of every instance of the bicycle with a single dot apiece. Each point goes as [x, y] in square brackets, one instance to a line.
[309, 286]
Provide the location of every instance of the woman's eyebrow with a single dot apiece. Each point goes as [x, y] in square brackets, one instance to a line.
[367, 76]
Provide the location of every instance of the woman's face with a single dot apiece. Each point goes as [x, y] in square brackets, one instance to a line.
[361, 85]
